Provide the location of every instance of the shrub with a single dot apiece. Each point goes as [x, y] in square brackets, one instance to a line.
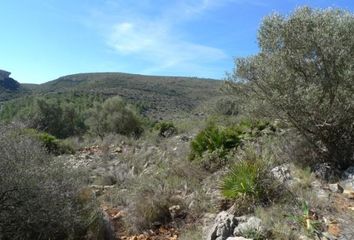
[166, 129]
[57, 117]
[60, 114]
[213, 138]
[113, 116]
[51, 143]
[304, 70]
[223, 139]
[39, 196]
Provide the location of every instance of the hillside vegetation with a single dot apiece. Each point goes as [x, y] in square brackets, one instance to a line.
[268, 154]
[158, 96]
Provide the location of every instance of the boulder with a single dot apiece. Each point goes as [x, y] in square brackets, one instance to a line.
[228, 227]
[223, 227]
[4, 74]
[282, 173]
[248, 224]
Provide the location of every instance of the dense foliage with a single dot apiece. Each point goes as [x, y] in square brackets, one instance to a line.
[305, 70]
[113, 116]
[65, 115]
[224, 139]
[61, 115]
[39, 197]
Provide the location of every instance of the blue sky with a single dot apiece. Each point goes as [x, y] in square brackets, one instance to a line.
[41, 40]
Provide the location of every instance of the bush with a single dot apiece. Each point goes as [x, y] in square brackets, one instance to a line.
[51, 143]
[39, 197]
[61, 115]
[304, 70]
[57, 117]
[113, 116]
[166, 129]
[221, 140]
[213, 138]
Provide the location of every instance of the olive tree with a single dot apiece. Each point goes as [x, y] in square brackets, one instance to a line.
[305, 71]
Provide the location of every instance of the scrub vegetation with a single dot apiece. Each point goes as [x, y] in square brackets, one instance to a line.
[124, 156]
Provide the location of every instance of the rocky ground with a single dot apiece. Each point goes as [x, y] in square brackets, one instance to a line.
[110, 169]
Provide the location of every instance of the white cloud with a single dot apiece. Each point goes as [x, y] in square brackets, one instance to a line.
[156, 43]
[154, 39]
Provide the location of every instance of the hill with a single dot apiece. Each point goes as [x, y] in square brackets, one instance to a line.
[158, 96]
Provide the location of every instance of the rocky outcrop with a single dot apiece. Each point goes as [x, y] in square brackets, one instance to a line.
[223, 227]
[4, 74]
[8, 83]
[228, 227]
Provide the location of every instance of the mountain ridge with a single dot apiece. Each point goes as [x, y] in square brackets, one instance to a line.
[158, 96]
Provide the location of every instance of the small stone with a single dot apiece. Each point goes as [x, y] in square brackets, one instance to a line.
[347, 184]
[336, 188]
[349, 194]
[118, 150]
[174, 237]
[175, 211]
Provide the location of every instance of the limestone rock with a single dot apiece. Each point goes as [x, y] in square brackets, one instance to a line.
[282, 173]
[4, 74]
[335, 187]
[229, 227]
[223, 226]
[118, 150]
[246, 224]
